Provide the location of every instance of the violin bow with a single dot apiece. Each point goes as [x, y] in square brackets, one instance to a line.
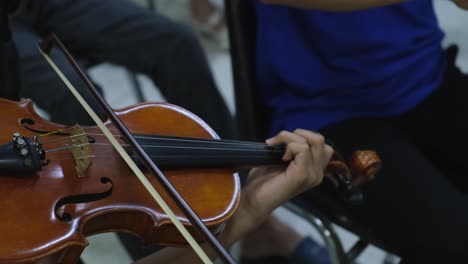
[44, 47]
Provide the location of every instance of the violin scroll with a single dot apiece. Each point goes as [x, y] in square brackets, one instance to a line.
[364, 165]
[346, 177]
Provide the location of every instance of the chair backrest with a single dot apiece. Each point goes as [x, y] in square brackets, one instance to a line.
[251, 114]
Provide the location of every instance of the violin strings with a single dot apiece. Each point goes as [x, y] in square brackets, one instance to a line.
[161, 157]
[62, 139]
[201, 140]
[182, 139]
[163, 146]
[177, 139]
[67, 147]
[156, 138]
[250, 146]
[162, 138]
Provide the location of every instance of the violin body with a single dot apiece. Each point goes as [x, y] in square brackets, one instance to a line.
[47, 215]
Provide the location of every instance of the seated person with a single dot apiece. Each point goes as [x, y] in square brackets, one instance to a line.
[376, 77]
[122, 33]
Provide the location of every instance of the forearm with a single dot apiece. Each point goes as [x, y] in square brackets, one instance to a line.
[335, 5]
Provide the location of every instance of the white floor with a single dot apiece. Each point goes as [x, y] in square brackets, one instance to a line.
[106, 249]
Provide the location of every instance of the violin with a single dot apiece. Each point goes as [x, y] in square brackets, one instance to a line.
[60, 184]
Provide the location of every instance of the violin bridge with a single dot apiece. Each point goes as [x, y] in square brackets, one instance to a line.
[80, 149]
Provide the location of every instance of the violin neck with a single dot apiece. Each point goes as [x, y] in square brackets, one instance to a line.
[182, 152]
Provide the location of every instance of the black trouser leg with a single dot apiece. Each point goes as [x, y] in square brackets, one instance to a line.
[418, 203]
[125, 34]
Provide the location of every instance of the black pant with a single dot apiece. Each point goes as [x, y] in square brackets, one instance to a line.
[418, 203]
[119, 32]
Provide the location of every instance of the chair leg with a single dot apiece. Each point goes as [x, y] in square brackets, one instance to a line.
[325, 229]
[137, 86]
[356, 250]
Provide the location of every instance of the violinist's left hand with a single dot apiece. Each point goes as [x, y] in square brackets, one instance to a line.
[267, 188]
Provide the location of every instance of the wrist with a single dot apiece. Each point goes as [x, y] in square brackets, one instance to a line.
[231, 233]
[242, 223]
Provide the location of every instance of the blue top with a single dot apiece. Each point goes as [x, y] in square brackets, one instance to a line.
[317, 68]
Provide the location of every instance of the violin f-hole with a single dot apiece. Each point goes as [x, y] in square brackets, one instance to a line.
[30, 125]
[60, 206]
